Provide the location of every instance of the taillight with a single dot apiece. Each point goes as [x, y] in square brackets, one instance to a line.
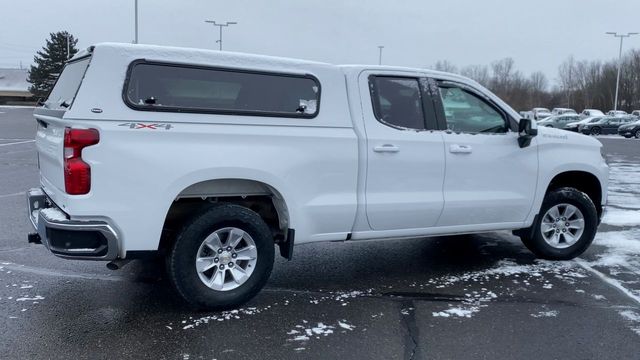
[77, 173]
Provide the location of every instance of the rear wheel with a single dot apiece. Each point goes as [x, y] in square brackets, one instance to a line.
[222, 258]
[565, 226]
[596, 131]
[638, 134]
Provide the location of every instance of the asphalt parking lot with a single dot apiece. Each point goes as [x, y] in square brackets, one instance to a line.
[474, 297]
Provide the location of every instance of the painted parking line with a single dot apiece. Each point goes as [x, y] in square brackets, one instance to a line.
[17, 143]
[12, 195]
[612, 282]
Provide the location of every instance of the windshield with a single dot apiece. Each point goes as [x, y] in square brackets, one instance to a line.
[67, 85]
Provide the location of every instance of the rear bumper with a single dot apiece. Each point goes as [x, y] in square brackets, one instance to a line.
[69, 239]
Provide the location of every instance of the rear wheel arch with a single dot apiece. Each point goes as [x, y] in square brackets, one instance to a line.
[255, 195]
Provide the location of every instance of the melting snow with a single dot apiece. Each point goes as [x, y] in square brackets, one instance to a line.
[222, 316]
[621, 217]
[37, 297]
[632, 317]
[542, 314]
[305, 332]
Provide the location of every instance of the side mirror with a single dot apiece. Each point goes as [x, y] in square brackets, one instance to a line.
[527, 130]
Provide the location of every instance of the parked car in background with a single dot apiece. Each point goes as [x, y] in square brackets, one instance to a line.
[630, 130]
[536, 114]
[540, 113]
[636, 113]
[587, 113]
[561, 111]
[559, 121]
[617, 113]
[607, 125]
[575, 126]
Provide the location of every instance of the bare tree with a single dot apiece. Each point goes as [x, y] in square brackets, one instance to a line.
[445, 65]
[479, 73]
[566, 76]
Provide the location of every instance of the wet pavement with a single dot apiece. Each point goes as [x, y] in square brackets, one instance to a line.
[467, 297]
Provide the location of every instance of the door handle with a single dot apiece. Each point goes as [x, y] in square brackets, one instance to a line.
[386, 148]
[460, 149]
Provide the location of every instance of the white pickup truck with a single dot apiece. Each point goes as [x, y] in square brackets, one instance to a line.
[212, 159]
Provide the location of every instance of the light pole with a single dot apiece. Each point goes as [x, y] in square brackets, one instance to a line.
[135, 39]
[68, 48]
[621, 36]
[380, 47]
[220, 25]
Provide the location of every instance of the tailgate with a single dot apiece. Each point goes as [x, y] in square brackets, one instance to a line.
[51, 127]
[50, 146]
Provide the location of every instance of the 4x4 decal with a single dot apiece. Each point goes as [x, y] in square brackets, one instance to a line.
[147, 126]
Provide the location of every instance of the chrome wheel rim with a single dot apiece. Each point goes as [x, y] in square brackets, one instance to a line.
[226, 259]
[562, 226]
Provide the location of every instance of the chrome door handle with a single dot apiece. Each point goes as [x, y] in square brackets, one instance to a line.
[386, 148]
[460, 149]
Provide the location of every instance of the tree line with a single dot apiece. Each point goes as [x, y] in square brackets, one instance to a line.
[579, 85]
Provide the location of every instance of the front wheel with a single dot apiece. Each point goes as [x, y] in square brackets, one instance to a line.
[565, 226]
[638, 134]
[595, 131]
[222, 258]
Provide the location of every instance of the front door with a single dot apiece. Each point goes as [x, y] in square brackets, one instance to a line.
[489, 179]
[405, 161]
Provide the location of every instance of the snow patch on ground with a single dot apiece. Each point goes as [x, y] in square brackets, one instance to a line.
[342, 297]
[621, 217]
[305, 332]
[526, 275]
[632, 317]
[543, 314]
[623, 248]
[458, 311]
[222, 316]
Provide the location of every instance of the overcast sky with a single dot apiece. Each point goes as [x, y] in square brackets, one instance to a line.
[538, 34]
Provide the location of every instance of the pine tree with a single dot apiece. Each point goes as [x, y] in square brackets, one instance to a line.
[49, 62]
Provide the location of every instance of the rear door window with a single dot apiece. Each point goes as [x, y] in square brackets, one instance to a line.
[67, 85]
[399, 102]
[170, 87]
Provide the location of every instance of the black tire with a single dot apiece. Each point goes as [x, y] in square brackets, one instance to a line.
[637, 134]
[534, 240]
[595, 131]
[181, 260]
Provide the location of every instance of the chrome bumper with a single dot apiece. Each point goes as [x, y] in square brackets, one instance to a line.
[69, 239]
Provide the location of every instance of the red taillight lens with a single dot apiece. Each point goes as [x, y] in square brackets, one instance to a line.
[77, 173]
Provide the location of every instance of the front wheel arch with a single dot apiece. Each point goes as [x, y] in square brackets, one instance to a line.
[588, 184]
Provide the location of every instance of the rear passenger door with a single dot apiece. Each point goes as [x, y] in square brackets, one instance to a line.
[489, 179]
[611, 126]
[405, 157]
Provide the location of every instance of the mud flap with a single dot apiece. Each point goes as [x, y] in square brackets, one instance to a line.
[286, 247]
